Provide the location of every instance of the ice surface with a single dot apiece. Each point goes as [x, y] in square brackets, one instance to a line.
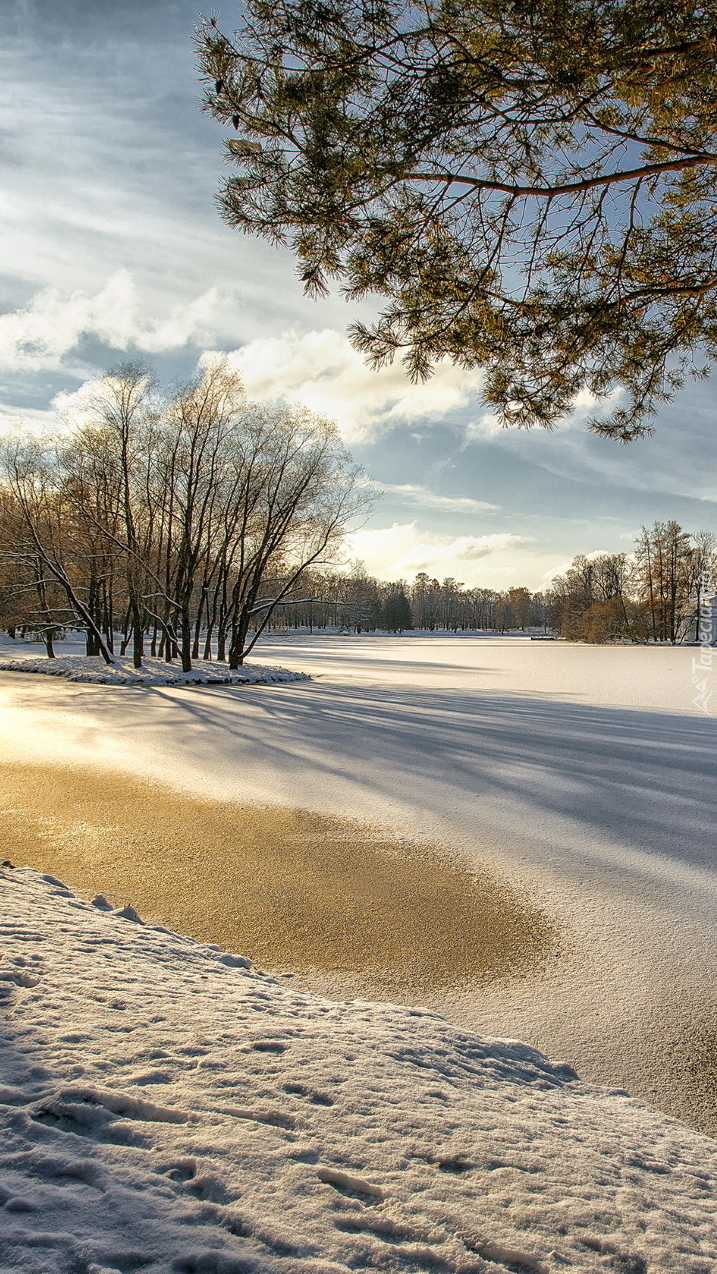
[582, 773]
[163, 1109]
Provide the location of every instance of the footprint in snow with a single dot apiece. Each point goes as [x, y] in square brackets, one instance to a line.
[316, 1098]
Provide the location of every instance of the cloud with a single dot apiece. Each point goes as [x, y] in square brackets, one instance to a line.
[486, 426]
[40, 336]
[415, 494]
[32, 419]
[319, 368]
[402, 550]
[466, 548]
[322, 370]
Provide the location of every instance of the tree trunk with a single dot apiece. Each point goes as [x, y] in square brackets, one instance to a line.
[44, 610]
[203, 600]
[79, 608]
[237, 643]
[186, 639]
[107, 615]
[125, 633]
[137, 636]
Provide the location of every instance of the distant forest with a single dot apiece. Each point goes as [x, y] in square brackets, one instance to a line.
[653, 593]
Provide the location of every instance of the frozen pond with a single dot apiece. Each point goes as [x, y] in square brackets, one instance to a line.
[583, 774]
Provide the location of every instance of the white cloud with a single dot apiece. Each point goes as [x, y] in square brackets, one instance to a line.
[486, 426]
[27, 418]
[323, 371]
[466, 548]
[416, 494]
[319, 368]
[402, 550]
[41, 335]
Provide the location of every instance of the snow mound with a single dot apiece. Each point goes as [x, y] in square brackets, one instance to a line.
[167, 1107]
[154, 672]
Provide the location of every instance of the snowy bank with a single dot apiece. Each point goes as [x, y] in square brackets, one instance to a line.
[167, 1107]
[154, 672]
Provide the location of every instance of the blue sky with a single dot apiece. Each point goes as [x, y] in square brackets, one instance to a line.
[113, 247]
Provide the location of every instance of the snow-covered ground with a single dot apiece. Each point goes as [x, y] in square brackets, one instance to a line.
[165, 1108]
[582, 773]
[154, 672]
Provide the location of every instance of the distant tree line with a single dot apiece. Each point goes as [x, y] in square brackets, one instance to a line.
[651, 594]
[179, 522]
[360, 603]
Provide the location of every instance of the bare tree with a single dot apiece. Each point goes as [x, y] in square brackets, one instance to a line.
[664, 566]
[301, 494]
[39, 539]
[216, 507]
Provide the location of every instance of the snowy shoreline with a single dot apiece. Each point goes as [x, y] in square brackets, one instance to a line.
[154, 672]
[170, 1107]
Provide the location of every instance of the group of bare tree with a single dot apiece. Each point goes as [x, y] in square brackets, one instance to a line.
[181, 521]
[653, 594]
